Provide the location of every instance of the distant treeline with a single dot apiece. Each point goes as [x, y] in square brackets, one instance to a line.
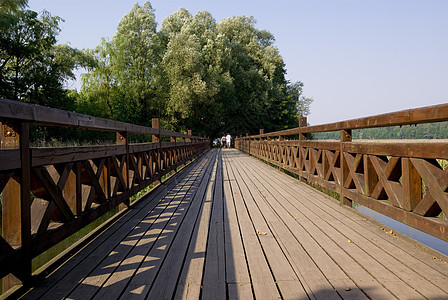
[419, 131]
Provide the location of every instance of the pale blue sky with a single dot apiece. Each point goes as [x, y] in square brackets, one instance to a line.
[356, 58]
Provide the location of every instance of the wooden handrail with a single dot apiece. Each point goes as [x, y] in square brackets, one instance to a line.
[402, 179]
[72, 186]
[429, 114]
[47, 116]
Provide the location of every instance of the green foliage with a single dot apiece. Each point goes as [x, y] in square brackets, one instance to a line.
[12, 6]
[194, 73]
[124, 82]
[419, 131]
[32, 67]
[136, 56]
[295, 96]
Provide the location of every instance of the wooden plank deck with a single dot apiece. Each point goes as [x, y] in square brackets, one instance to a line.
[229, 226]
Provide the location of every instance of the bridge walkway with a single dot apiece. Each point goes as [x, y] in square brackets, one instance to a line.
[230, 226]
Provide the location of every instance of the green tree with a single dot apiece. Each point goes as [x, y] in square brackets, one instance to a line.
[136, 57]
[193, 74]
[8, 10]
[99, 90]
[259, 97]
[127, 82]
[295, 96]
[173, 23]
[12, 6]
[193, 70]
[32, 68]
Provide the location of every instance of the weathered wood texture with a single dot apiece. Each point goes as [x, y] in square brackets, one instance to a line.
[230, 227]
[35, 114]
[71, 187]
[404, 180]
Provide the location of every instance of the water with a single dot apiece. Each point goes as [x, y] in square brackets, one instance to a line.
[418, 235]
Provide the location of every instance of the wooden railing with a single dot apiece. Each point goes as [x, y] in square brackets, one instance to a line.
[402, 179]
[48, 194]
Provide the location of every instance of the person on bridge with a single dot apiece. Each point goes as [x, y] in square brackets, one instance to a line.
[223, 141]
[228, 139]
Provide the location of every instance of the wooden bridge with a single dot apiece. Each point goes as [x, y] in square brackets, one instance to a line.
[228, 225]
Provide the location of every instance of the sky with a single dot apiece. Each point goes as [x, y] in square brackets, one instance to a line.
[356, 58]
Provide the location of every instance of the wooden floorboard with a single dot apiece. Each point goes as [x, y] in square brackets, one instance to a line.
[263, 282]
[334, 233]
[214, 282]
[237, 274]
[190, 280]
[263, 220]
[231, 227]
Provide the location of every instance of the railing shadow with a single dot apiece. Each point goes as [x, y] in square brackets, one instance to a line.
[179, 248]
[152, 233]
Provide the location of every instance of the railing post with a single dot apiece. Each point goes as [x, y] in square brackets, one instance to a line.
[189, 147]
[303, 122]
[173, 158]
[16, 202]
[183, 150]
[155, 124]
[345, 136]
[280, 149]
[25, 157]
[260, 146]
[411, 184]
[248, 143]
[123, 139]
[302, 137]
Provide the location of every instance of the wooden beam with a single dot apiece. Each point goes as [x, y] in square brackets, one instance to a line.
[345, 136]
[25, 203]
[54, 191]
[429, 114]
[10, 109]
[11, 197]
[123, 139]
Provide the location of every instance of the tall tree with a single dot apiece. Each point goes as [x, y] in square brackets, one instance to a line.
[135, 59]
[258, 74]
[295, 96]
[193, 70]
[12, 6]
[32, 67]
[99, 91]
[193, 74]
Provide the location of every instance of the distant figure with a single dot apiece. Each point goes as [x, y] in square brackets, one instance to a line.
[228, 139]
[223, 141]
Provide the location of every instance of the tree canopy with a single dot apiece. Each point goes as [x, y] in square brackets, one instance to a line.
[193, 73]
[33, 68]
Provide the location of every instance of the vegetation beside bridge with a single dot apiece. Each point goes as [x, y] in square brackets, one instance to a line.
[192, 73]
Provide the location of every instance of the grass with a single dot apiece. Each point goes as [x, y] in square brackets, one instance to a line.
[443, 163]
[328, 192]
